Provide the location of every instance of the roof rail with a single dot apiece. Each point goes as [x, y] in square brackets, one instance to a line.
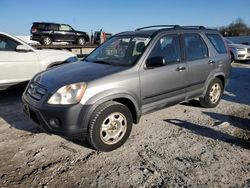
[194, 27]
[168, 26]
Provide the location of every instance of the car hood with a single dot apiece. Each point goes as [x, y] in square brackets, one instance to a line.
[81, 32]
[48, 52]
[238, 46]
[81, 71]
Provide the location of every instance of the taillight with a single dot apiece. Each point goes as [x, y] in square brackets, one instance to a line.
[34, 30]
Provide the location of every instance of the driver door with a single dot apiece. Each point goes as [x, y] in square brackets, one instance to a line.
[164, 85]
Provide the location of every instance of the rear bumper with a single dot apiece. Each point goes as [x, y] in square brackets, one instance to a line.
[35, 37]
[64, 120]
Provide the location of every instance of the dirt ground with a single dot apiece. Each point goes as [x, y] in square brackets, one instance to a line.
[181, 146]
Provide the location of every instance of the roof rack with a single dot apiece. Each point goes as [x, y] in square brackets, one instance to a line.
[194, 27]
[172, 26]
[168, 26]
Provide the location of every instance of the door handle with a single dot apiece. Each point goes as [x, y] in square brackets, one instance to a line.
[180, 68]
[211, 62]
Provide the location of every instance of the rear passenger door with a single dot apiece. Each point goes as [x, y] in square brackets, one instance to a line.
[221, 55]
[54, 30]
[164, 85]
[198, 62]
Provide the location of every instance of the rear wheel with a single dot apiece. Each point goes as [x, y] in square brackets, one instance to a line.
[110, 126]
[213, 94]
[47, 40]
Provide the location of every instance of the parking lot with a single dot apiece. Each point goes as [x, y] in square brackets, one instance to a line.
[184, 145]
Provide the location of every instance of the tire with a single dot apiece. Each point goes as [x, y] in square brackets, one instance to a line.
[47, 40]
[110, 126]
[213, 94]
[81, 41]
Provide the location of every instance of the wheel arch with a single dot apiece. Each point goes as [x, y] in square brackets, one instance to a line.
[131, 106]
[222, 79]
[124, 99]
[46, 35]
[220, 76]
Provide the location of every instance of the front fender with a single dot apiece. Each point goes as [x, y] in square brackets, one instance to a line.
[105, 96]
[56, 59]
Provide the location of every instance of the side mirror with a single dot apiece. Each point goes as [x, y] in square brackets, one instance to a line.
[22, 48]
[155, 62]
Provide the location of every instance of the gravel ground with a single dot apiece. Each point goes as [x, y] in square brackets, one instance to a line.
[180, 146]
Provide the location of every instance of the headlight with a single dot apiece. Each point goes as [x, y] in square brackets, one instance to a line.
[240, 49]
[69, 94]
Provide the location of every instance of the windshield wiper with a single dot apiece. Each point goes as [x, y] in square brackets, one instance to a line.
[101, 62]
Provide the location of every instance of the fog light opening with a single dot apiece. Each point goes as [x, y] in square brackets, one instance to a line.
[54, 122]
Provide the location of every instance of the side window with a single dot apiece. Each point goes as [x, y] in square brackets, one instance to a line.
[65, 28]
[40, 26]
[7, 44]
[217, 42]
[195, 47]
[167, 47]
[53, 27]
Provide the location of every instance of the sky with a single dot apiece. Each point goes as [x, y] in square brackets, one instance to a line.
[16, 16]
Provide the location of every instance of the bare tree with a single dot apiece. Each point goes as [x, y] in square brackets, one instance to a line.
[236, 28]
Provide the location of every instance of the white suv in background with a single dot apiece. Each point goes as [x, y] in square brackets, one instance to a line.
[19, 61]
[239, 52]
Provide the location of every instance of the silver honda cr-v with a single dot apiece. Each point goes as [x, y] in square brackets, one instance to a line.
[131, 74]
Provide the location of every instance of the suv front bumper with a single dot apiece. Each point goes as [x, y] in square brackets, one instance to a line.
[64, 120]
[243, 55]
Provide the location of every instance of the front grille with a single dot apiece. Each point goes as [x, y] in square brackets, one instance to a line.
[36, 92]
[248, 50]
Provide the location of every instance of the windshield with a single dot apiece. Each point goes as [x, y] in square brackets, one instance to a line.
[121, 51]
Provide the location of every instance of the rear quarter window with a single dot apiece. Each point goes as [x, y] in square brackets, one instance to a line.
[217, 42]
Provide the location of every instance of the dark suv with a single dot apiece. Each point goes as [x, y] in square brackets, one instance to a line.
[46, 33]
[131, 74]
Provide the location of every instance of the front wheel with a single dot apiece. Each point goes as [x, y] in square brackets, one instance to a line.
[213, 94]
[110, 126]
[81, 41]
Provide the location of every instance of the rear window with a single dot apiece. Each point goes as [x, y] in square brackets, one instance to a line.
[217, 42]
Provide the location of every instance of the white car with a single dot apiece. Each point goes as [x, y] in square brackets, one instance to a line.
[19, 61]
[239, 52]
